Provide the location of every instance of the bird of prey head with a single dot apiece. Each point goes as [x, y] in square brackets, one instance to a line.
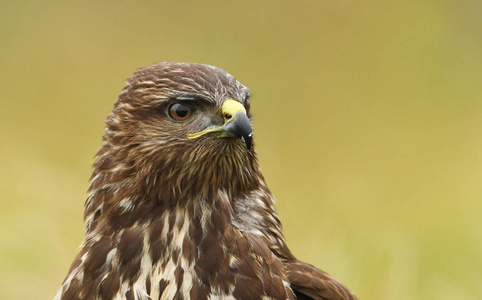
[178, 208]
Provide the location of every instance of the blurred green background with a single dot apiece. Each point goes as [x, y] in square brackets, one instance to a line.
[367, 115]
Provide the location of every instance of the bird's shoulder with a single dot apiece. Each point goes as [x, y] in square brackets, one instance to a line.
[308, 282]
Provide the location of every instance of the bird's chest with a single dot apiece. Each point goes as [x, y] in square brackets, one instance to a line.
[198, 261]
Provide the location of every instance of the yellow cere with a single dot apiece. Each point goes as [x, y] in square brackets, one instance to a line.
[230, 108]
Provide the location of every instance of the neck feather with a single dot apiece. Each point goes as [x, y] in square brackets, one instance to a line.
[137, 183]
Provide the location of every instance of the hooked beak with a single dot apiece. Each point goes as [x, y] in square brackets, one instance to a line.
[236, 124]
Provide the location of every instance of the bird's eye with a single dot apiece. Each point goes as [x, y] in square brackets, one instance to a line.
[180, 112]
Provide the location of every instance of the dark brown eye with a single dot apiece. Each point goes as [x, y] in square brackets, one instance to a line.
[180, 112]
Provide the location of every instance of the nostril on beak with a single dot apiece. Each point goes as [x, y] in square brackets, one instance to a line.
[227, 117]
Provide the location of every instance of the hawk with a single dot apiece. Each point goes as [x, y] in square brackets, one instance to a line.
[178, 207]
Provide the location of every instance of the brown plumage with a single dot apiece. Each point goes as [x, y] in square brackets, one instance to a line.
[178, 208]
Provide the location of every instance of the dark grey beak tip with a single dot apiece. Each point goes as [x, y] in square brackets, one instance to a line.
[248, 139]
[240, 127]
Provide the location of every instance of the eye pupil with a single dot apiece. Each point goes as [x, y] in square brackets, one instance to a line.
[180, 112]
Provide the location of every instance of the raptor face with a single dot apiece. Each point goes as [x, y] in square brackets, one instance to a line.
[173, 101]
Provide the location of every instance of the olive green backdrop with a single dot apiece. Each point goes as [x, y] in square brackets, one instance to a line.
[367, 115]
